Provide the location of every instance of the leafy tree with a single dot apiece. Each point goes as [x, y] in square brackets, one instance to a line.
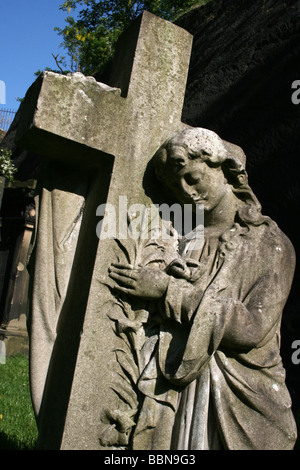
[90, 38]
[7, 167]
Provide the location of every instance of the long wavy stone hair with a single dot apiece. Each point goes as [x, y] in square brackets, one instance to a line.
[208, 147]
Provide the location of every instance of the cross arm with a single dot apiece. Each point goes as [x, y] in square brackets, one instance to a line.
[60, 114]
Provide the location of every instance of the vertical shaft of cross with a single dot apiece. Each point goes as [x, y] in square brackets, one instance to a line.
[156, 92]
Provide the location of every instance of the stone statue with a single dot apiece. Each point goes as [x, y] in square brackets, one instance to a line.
[211, 375]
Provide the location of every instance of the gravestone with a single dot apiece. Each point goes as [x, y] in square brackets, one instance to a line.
[17, 226]
[97, 141]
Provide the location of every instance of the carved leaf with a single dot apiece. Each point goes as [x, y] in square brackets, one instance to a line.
[128, 364]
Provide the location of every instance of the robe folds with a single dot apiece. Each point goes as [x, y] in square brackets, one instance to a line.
[216, 379]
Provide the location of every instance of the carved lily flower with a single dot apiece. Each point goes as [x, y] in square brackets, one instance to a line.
[119, 427]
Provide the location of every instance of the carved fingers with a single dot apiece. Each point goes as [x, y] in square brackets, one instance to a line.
[140, 282]
[124, 275]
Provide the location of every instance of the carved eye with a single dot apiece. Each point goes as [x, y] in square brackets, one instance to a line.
[179, 163]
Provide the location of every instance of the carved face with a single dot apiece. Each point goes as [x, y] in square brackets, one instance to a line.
[194, 182]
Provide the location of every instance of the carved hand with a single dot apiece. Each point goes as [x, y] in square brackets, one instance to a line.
[146, 283]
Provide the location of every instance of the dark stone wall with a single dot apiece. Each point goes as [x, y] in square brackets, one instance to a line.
[246, 55]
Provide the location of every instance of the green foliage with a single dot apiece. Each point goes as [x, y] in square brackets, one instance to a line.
[7, 167]
[90, 38]
[18, 429]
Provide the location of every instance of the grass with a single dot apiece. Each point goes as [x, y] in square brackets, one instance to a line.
[18, 429]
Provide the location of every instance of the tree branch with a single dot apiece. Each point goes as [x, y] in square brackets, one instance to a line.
[57, 63]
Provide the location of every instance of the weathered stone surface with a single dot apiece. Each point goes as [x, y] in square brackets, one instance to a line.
[27, 163]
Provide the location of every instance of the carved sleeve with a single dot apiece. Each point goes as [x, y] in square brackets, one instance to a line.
[182, 299]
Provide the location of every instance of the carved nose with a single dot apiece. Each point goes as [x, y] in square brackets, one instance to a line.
[191, 192]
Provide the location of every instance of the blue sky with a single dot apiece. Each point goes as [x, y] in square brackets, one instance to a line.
[27, 41]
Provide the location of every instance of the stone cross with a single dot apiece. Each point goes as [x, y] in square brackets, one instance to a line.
[97, 140]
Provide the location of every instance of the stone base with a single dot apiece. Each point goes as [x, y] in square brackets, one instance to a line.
[14, 339]
[15, 345]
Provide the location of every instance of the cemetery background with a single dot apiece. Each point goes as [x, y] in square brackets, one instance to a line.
[244, 60]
